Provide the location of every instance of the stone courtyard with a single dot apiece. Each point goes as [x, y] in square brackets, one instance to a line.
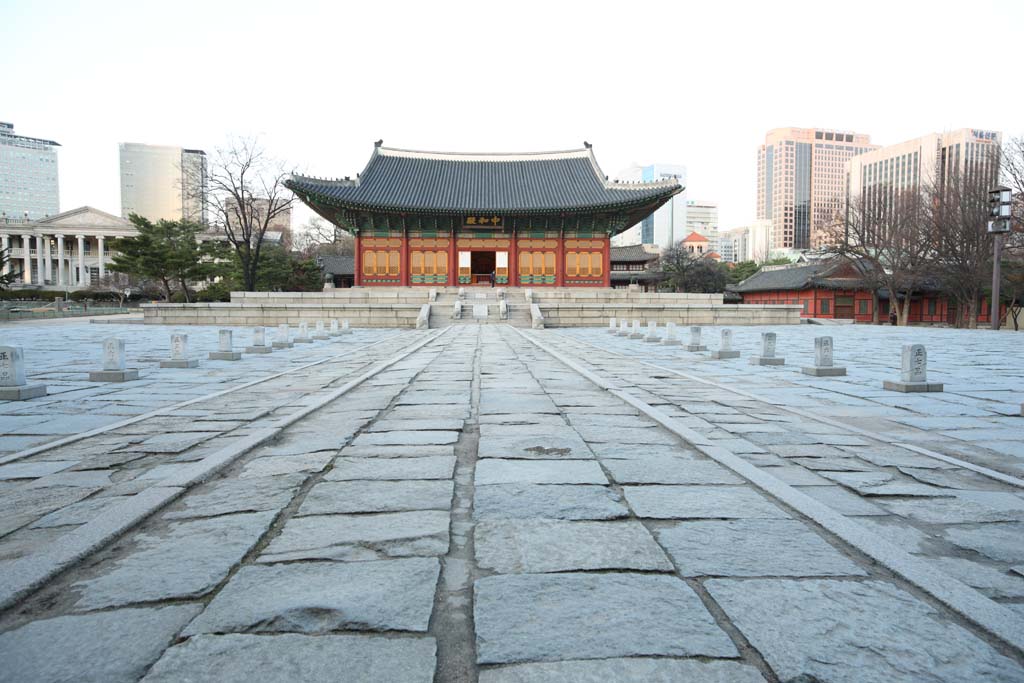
[487, 503]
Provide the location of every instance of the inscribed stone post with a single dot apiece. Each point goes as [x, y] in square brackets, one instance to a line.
[823, 352]
[670, 335]
[224, 341]
[113, 354]
[13, 384]
[652, 332]
[823, 366]
[179, 346]
[612, 325]
[259, 336]
[695, 344]
[726, 340]
[768, 345]
[636, 333]
[12, 366]
[225, 347]
[914, 363]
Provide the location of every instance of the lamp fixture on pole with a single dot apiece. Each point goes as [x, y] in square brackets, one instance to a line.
[1000, 201]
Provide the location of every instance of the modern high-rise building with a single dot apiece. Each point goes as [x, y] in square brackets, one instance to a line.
[801, 182]
[748, 243]
[666, 226]
[702, 218]
[28, 176]
[161, 182]
[925, 162]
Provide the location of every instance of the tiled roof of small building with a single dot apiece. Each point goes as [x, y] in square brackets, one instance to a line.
[337, 265]
[632, 254]
[442, 182]
[790, 277]
[695, 237]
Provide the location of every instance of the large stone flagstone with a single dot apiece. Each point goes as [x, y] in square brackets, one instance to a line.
[497, 471]
[332, 497]
[225, 496]
[856, 632]
[544, 617]
[1002, 541]
[314, 597]
[406, 438]
[669, 471]
[102, 647]
[752, 547]
[538, 546]
[696, 502]
[648, 670]
[361, 537]
[430, 467]
[538, 446]
[554, 501]
[290, 657]
[186, 560]
[273, 465]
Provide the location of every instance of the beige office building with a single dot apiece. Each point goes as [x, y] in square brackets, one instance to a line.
[925, 162]
[161, 182]
[801, 182]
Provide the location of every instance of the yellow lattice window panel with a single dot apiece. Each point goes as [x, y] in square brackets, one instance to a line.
[584, 263]
[428, 263]
[381, 262]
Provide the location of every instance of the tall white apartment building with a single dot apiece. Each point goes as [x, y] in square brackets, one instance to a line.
[702, 218]
[162, 182]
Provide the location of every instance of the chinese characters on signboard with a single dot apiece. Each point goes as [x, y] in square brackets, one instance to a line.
[483, 220]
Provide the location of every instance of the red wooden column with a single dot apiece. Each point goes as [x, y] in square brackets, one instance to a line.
[453, 261]
[607, 269]
[560, 259]
[403, 262]
[513, 259]
[357, 279]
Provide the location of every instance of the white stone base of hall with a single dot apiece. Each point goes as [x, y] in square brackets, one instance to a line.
[401, 306]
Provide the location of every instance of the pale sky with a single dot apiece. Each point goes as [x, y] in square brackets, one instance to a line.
[696, 83]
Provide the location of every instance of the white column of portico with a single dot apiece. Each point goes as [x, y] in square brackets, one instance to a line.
[60, 259]
[47, 256]
[26, 245]
[82, 277]
[5, 244]
[99, 239]
[39, 259]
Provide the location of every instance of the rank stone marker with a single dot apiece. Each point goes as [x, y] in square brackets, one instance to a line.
[13, 385]
[725, 349]
[636, 333]
[334, 330]
[303, 337]
[823, 366]
[612, 327]
[695, 344]
[113, 364]
[321, 332]
[670, 335]
[914, 372]
[767, 356]
[623, 329]
[259, 341]
[179, 354]
[345, 328]
[652, 333]
[225, 349]
[281, 340]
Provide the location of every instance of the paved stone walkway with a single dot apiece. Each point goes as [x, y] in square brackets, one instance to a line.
[464, 505]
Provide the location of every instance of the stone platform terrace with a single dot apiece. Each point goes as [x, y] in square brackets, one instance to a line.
[487, 503]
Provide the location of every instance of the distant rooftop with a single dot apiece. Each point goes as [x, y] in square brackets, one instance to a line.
[7, 134]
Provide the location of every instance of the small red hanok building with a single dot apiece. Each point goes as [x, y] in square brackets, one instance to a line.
[834, 288]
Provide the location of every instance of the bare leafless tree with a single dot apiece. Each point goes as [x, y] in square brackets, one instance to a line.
[246, 194]
[957, 210]
[317, 237]
[883, 235]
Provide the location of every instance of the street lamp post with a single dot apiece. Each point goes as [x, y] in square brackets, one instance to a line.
[1000, 200]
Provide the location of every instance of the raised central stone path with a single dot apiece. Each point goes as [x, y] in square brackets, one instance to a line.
[477, 503]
